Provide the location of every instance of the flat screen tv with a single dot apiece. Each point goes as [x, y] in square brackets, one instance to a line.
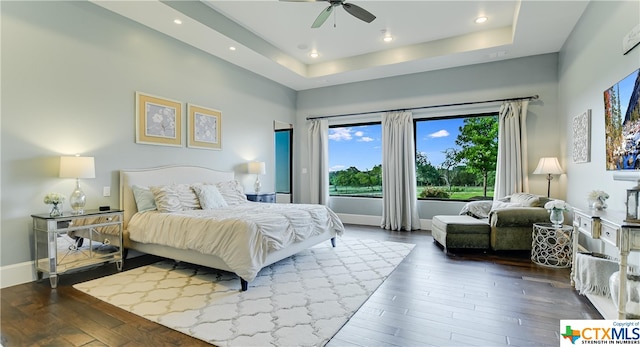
[622, 123]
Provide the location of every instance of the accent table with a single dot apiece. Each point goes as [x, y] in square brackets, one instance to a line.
[59, 240]
[552, 245]
[610, 227]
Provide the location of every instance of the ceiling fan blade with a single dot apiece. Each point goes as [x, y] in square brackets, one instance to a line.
[322, 17]
[359, 12]
[303, 0]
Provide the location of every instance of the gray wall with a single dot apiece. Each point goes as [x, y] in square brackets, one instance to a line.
[69, 74]
[591, 62]
[494, 80]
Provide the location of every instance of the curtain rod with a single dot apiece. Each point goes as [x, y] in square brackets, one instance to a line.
[532, 97]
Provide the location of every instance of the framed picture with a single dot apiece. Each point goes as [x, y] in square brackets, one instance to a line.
[582, 137]
[204, 127]
[158, 120]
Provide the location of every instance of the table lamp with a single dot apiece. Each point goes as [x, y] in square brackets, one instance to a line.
[548, 166]
[77, 167]
[257, 168]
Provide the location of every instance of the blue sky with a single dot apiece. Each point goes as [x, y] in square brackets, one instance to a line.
[361, 146]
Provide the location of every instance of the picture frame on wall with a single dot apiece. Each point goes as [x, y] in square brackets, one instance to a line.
[204, 127]
[158, 120]
[582, 137]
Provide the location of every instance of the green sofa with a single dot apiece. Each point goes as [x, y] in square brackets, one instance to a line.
[504, 224]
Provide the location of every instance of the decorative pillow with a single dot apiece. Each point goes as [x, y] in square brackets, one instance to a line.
[175, 197]
[167, 198]
[187, 196]
[144, 198]
[526, 199]
[232, 192]
[209, 196]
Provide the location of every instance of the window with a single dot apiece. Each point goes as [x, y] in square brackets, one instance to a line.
[456, 157]
[355, 156]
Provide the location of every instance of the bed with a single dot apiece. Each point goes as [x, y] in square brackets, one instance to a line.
[241, 237]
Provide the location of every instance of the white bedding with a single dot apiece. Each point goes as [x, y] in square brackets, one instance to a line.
[241, 235]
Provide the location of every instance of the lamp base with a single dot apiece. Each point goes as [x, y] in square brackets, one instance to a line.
[257, 186]
[77, 200]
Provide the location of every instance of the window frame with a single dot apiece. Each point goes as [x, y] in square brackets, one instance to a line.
[356, 124]
[452, 116]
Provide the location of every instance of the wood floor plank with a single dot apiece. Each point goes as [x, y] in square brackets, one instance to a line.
[433, 298]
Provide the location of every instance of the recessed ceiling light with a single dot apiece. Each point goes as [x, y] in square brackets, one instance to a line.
[480, 20]
[232, 48]
[177, 21]
[314, 54]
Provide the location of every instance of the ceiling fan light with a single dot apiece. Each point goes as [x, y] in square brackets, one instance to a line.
[387, 38]
[314, 54]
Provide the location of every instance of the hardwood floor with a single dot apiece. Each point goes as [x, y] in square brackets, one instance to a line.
[470, 298]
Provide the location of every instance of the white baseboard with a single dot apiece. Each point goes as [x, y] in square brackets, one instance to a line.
[15, 274]
[359, 219]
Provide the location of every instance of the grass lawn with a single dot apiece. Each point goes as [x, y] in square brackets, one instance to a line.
[458, 193]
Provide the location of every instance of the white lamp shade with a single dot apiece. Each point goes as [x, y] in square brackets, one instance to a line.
[548, 165]
[77, 167]
[256, 167]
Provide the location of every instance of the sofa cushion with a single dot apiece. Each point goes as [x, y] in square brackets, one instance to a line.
[460, 224]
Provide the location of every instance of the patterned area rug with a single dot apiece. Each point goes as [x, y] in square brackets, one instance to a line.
[300, 301]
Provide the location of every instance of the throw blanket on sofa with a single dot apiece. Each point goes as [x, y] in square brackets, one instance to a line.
[481, 209]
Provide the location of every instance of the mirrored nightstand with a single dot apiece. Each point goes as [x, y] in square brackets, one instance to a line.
[69, 241]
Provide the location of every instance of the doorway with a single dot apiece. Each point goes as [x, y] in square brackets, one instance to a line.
[283, 160]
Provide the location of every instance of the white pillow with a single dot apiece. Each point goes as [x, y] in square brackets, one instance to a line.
[187, 196]
[144, 198]
[209, 196]
[232, 192]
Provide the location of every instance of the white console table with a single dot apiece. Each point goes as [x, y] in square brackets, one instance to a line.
[609, 227]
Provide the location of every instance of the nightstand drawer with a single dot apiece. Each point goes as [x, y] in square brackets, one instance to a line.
[609, 234]
[586, 225]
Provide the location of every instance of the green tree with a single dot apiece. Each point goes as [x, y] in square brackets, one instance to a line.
[450, 162]
[478, 142]
[426, 173]
[376, 175]
[346, 178]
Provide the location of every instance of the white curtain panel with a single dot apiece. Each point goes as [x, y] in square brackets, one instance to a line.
[511, 168]
[399, 205]
[319, 161]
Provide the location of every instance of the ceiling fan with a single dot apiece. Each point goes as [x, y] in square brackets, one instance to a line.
[352, 9]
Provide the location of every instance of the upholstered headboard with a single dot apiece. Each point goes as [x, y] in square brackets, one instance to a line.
[162, 176]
